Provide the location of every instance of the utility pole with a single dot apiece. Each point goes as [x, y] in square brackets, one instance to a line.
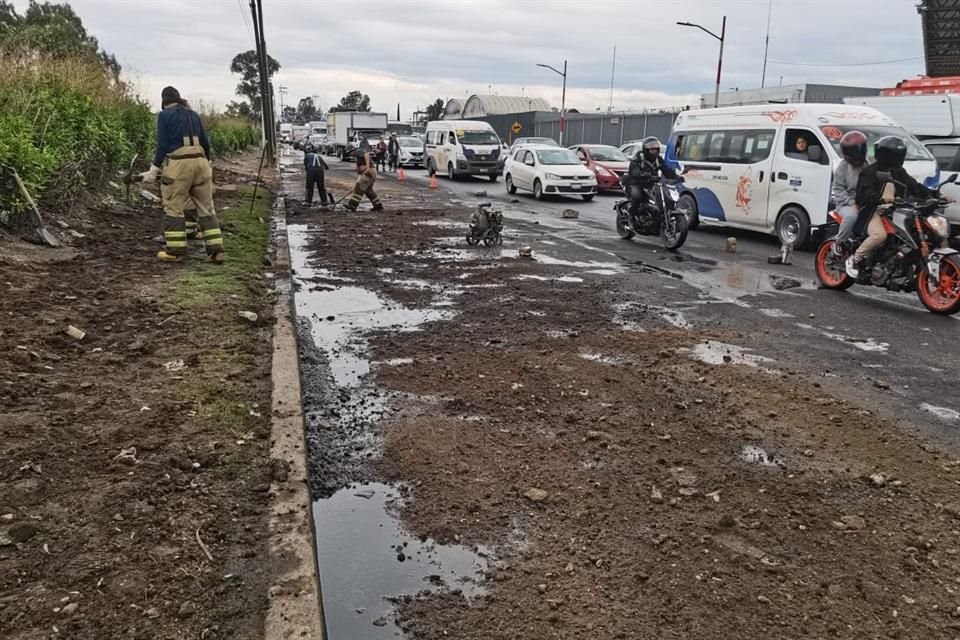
[266, 96]
[282, 90]
[766, 46]
[613, 71]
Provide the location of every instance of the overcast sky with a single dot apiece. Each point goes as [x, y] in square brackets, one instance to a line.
[413, 51]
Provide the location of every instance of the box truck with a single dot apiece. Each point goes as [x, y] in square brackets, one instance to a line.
[348, 129]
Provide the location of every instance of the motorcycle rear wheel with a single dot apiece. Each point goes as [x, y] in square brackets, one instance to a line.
[674, 237]
[623, 230]
[831, 270]
[944, 298]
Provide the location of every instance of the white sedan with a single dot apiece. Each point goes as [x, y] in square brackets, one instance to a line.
[548, 171]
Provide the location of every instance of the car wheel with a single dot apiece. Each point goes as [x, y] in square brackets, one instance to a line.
[511, 188]
[537, 189]
[587, 197]
[688, 204]
[793, 227]
[451, 172]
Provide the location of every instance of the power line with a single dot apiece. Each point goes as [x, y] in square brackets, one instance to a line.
[246, 21]
[852, 64]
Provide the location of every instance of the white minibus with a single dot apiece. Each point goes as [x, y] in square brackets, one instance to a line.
[769, 167]
[462, 147]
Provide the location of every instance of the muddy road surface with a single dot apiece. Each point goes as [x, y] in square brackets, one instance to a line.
[611, 441]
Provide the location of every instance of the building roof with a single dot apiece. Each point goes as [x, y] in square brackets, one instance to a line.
[484, 105]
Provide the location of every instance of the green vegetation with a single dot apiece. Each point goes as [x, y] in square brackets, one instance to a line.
[229, 135]
[245, 243]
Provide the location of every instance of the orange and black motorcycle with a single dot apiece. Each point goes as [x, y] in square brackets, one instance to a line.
[915, 256]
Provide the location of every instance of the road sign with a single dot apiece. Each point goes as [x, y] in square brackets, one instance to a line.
[517, 127]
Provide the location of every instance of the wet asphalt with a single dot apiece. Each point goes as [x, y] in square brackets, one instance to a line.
[880, 349]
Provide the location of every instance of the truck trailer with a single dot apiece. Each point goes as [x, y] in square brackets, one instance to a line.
[348, 129]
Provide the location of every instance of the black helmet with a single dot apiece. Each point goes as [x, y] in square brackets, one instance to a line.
[890, 152]
[650, 149]
[853, 147]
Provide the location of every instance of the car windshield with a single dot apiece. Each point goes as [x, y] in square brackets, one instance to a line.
[557, 156]
[915, 150]
[477, 137]
[607, 154]
[547, 141]
[407, 142]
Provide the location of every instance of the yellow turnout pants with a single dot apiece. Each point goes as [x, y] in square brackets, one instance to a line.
[187, 176]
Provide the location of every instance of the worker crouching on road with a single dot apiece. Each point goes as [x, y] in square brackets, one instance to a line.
[364, 186]
[184, 151]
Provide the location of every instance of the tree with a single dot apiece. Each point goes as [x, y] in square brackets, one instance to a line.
[306, 110]
[245, 64]
[240, 110]
[353, 101]
[289, 114]
[436, 110]
[53, 30]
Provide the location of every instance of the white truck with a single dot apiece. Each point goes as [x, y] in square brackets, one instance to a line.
[348, 129]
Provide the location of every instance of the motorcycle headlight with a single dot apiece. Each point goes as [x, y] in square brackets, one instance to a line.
[674, 193]
[552, 176]
[939, 224]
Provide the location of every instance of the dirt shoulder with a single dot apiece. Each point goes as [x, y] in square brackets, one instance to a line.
[135, 461]
[628, 489]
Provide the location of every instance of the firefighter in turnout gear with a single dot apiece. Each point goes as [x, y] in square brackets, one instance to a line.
[186, 175]
[364, 186]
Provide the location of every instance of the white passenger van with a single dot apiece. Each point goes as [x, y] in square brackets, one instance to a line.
[462, 147]
[748, 167]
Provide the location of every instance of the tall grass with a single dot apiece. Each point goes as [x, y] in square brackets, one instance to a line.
[65, 125]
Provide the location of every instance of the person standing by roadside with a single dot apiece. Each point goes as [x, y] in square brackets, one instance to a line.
[393, 149]
[364, 185]
[315, 165]
[382, 154]
[183, 152]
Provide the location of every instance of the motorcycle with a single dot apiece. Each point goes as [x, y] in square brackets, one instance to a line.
[915, 256]
[658, 216]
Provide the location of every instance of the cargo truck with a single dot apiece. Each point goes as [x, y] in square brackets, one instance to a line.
[348, 129]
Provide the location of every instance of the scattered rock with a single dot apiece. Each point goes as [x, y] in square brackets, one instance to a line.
[380, 622]
[152, 612]
[851, 523]
[76, 334]
[70, 609]
[568, 568]
[880, 384]
[878, 480]
[249, 315]
[366, 494]
[401, 556]
[570, 213]
[526, 251]
[187, 609]
[22, 532]
[656, 496]
[7, 517]
[596, 435]
[536, 495]
[763, 599]
[542, 588]
[684, 478]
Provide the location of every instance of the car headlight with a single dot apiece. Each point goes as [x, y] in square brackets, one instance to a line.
[939, 224]
[552, 176]
[601, 171]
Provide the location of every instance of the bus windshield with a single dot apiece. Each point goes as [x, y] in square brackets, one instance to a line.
[915, 150]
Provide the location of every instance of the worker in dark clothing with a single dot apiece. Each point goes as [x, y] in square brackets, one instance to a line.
[890, 153]
[368, 176]
[645, 169]
[393, 150]
[315, 165]
[183, 152]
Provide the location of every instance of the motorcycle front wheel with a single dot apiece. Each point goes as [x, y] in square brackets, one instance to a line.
[674, 233]
[832, 269]
[623, 223]
[943, 296]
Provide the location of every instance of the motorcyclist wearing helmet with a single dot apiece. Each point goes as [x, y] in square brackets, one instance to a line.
[889, 153]
[853, 148]
[646, 167]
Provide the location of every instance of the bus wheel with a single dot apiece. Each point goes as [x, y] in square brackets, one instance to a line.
[688, 204]
[793, 227]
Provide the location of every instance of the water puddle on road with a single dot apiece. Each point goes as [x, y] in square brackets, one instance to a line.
[366, 558]
[729, 283]
[714, 352]
[528, 276]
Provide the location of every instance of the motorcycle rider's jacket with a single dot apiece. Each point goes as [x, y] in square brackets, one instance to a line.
[870, 187]
[643, 172]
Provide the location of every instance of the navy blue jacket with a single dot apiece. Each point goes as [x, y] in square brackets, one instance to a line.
[173, 124]
[314, 162]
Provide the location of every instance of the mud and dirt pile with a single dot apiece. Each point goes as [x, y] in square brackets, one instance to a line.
[628, 488]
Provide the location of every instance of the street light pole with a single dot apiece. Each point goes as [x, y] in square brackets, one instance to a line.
[722, 38]
[563, 95]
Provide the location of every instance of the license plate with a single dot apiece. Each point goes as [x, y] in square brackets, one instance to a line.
[575, 185]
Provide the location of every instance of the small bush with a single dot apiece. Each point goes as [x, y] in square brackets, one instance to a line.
[229, 135]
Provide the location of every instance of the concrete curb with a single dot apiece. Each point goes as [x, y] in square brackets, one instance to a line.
[295, 609]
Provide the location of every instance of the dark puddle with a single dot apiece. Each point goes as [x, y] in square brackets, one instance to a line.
[366, 559]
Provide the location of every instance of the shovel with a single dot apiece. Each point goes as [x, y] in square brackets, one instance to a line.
[45, 234]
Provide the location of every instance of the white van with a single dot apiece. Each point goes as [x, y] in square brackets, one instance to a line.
[462, 147]
[746, 167]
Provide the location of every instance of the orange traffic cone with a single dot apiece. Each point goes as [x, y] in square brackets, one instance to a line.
[401, 176]
[433, 181]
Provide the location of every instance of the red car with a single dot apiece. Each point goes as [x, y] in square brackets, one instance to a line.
[608, 163]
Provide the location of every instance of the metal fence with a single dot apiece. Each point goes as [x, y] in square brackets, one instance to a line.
[584, 128]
